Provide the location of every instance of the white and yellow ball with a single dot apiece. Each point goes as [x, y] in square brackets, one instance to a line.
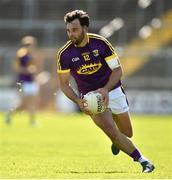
[94, 102]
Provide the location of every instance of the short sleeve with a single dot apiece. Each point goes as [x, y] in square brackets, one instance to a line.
[107, 49]
[109, 54]
[23, 58]
[63, 64]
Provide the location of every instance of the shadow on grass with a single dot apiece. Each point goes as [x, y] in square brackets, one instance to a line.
[90, 172]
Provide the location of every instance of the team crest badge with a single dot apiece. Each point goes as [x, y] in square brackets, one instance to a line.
[95, 52]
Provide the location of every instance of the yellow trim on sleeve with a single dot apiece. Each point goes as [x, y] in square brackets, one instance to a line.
[111, 57]
[63, 71]
[22, 52]
[62, 49]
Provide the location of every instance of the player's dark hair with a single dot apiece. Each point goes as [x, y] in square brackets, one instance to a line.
[77, 14]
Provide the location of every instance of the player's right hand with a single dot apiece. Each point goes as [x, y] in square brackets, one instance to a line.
[83, 106]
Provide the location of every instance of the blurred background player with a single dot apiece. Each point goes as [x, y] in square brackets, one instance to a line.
[26, 71]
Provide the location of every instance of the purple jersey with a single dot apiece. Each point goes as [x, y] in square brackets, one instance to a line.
[24, 59]
[87, 64]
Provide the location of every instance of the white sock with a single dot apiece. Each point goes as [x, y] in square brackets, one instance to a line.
[142, 159]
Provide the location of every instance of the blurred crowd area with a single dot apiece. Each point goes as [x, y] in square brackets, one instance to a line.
[140, 31]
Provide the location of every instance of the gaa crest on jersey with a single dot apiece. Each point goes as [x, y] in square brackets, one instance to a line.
[95, 52]
[89, 68]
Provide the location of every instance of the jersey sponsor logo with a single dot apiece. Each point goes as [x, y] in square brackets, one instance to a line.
[75, 59]
[89, 68]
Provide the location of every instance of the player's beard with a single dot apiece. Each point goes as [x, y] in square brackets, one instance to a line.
[79, 40]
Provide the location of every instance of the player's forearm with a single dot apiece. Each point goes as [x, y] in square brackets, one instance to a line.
[68, 91]
[114, 78]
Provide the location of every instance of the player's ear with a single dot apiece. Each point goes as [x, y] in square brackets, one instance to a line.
[85, 29]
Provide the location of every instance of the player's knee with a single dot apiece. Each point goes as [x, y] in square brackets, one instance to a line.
[129, 134]
[114, 135]
[111, 133]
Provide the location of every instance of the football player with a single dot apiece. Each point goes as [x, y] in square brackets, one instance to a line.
[93, 63]
[26, 70]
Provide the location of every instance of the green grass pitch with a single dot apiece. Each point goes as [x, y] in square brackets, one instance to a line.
[72, 147]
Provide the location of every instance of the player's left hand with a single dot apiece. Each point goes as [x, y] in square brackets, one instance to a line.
[104, 92]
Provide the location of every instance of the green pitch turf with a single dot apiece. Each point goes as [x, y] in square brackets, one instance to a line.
[71, 146]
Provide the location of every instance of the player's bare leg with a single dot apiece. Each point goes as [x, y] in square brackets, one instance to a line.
[106, 123]
[12, 111]
[124, 125]
[8, 117]
[31, 105]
